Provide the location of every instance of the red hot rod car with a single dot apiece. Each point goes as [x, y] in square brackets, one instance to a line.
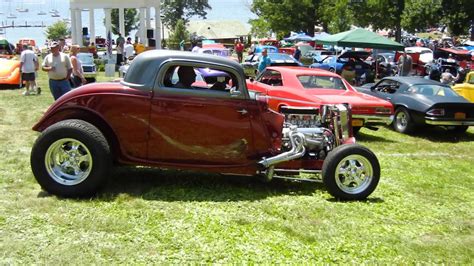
[159, 116]
[299, 86]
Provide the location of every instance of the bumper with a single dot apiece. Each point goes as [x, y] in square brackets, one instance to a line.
[362, 120]
[434, 122]
[90, 75]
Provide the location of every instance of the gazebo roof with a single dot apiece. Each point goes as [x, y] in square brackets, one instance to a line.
[112, 3]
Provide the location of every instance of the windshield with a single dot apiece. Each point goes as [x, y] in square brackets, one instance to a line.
[432, 90]
[321, 82]
[86, 59]
[275, 57]
[219, 52]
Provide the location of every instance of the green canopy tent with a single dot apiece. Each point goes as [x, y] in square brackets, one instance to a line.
[360, 38]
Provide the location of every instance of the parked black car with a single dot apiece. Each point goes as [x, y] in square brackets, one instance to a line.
[418, 101]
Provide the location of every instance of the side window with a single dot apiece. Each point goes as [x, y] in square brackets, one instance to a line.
[388, 86]
[271, 77]
[203, 79]
[471, 79]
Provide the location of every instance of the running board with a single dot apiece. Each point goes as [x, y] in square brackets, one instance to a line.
[283, 171]
[298, 179]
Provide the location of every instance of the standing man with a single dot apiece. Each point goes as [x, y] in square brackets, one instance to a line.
[239, 49]
[120, 42]
[59, 68]
[128, 50]
[405, 64]
[264, 61]
[28, 66]
[297, 54]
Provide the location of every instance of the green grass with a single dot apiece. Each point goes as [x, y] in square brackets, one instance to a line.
[421, 212]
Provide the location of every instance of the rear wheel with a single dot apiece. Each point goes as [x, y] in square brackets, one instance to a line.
[71, 159]
[351, 172]
[403, 122]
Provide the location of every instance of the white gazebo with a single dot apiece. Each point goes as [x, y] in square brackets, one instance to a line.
[78, 6]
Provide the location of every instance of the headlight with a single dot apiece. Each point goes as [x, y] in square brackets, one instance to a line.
[436, 112]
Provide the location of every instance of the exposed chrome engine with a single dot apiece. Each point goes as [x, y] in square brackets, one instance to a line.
[311, 132]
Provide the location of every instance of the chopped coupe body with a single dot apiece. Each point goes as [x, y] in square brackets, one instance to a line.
[153, 119]
[418, 101]
[299, 86]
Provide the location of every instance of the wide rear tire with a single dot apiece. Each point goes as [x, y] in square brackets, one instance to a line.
[351, 172]
[71, 159]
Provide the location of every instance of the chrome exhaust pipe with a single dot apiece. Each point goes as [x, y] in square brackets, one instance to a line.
[297, 150]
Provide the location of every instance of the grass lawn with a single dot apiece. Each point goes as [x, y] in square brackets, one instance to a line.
[421, 212]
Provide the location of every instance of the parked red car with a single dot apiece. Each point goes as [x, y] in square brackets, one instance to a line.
[157, 116]
[299, 86]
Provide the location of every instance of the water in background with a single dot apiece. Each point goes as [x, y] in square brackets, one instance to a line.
[221, 10]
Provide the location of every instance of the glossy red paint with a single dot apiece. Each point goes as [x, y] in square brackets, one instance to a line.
[171, 131]
[292, 93]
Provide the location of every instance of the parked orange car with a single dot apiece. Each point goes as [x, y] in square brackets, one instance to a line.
[10, 72]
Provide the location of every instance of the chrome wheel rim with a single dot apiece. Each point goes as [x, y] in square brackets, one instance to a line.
[354, 174]
[68, 161]
[402, 121]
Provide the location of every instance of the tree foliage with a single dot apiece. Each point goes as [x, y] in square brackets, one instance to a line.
[179, 34]
[283, 16]
[130, 17]
[183, 9]
[57, 31]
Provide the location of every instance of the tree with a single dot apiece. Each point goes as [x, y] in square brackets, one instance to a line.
[423, 14]
[130, 17]
[380, 14]
[174, 10]
[335, 15]
[304, 15]
[179, 35]
[457, 15]
[57, 31]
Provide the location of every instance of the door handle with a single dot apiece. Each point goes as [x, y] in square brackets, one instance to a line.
[243, 111]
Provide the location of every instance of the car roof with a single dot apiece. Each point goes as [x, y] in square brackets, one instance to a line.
[413, 80]
[301, 71]
[147, 63]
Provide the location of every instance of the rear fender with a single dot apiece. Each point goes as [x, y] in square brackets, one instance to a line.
[82, 114]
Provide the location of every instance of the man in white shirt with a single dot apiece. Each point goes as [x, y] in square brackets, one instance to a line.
[128, 49]
[28, 66]
[59, 68]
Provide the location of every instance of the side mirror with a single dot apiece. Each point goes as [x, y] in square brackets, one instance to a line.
[252, 79]
[372, 88]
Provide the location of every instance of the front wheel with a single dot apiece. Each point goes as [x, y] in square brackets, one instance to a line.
[71, 159]
[351, 172]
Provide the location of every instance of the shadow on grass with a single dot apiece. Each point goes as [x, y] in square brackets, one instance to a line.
[368, 200]
[441, 134]
[9, 87]
[172, 185]
[365, 136]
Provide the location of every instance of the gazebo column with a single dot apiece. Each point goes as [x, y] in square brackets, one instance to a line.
[158, 25]
[73, 25]
[122, 21]
[79, 27]
[147, 18]
[108, 21]
[142, 29]
[91, 26]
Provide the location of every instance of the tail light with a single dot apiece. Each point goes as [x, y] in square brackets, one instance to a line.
[436, 112]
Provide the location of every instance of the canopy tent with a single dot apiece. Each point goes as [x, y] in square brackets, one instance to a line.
[321, 35]
[299, 37]
[360, 38]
